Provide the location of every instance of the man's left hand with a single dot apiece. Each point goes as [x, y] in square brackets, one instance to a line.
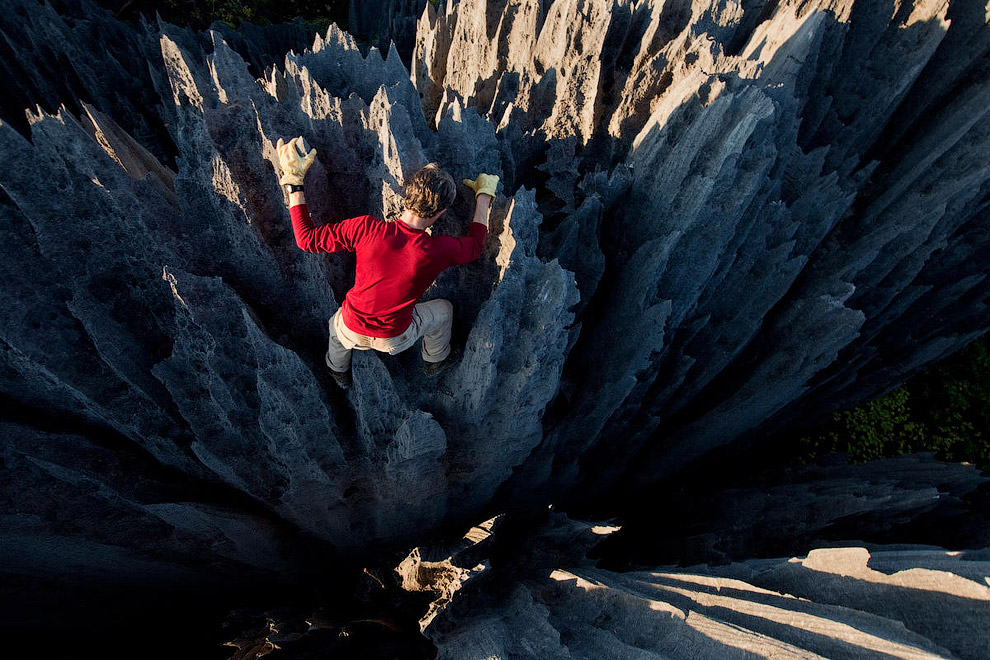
[484, 184]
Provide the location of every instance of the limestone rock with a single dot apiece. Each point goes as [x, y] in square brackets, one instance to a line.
[80, 511]
[765, 163]
[843, 602]
[442, 571]
[716, 220]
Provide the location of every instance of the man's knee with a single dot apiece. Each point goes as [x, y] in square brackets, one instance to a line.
[445, 308]
[443, 314]
[434, 314]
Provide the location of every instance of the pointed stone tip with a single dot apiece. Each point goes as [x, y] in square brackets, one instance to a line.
[337, 35]
[319, 43]
[35, 116]
[217, 38]
[429, 13]
[292, 67]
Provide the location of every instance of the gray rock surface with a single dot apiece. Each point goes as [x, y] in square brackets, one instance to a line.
[716, 220]
[831, 604]
[846, 601]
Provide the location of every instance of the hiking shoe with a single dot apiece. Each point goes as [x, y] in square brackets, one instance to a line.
[433, 368]
[342, 378]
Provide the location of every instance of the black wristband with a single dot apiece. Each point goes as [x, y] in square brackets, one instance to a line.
[293, 188]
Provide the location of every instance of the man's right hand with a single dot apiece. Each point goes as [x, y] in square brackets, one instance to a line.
[483, 185]
[294, 161]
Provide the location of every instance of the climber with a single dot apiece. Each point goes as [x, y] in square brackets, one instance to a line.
[396, 262]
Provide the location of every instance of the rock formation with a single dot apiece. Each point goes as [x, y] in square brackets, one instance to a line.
[526, 589]
[717, 221]
[773, 165]
[845, 602]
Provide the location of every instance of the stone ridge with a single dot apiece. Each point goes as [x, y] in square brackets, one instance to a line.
[175, 312]
[545, 599]
[831, 604]
[709, 228]
[779, 248]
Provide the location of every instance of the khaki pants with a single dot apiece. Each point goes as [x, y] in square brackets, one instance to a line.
[431, 320]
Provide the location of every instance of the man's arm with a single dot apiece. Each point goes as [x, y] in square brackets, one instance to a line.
[484, 192]
[295, 162]
[482, 204]
[297, 198]
[469, 248]
[302, 222]
[342, 236]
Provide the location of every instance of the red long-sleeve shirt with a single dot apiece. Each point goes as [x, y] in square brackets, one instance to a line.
[396, 264]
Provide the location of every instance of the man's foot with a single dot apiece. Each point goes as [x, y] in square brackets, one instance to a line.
[433, 368]
[342, 378]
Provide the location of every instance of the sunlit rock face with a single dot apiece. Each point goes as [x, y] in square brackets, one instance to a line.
[769, 209]
[717, 220]
[844, 602]
[805, 562]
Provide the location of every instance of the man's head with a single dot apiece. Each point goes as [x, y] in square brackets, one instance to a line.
[430, 191]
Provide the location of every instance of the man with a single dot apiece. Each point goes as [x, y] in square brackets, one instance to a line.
[396, 262]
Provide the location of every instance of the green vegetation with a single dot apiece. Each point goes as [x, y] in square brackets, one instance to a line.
[945, 409]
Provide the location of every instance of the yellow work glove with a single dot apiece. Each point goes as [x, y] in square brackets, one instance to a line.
[294, 161]
[483, 185]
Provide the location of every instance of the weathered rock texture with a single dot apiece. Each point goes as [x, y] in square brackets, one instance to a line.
[760, 203]
[722, 590]
[717, 220]
[845, 602]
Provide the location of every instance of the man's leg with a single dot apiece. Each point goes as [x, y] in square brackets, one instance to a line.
[338, 353]
[434, 320]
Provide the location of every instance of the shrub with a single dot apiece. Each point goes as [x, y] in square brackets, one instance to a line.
[945, 409]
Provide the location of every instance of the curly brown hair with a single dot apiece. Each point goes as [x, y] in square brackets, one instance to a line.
[429, 191]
